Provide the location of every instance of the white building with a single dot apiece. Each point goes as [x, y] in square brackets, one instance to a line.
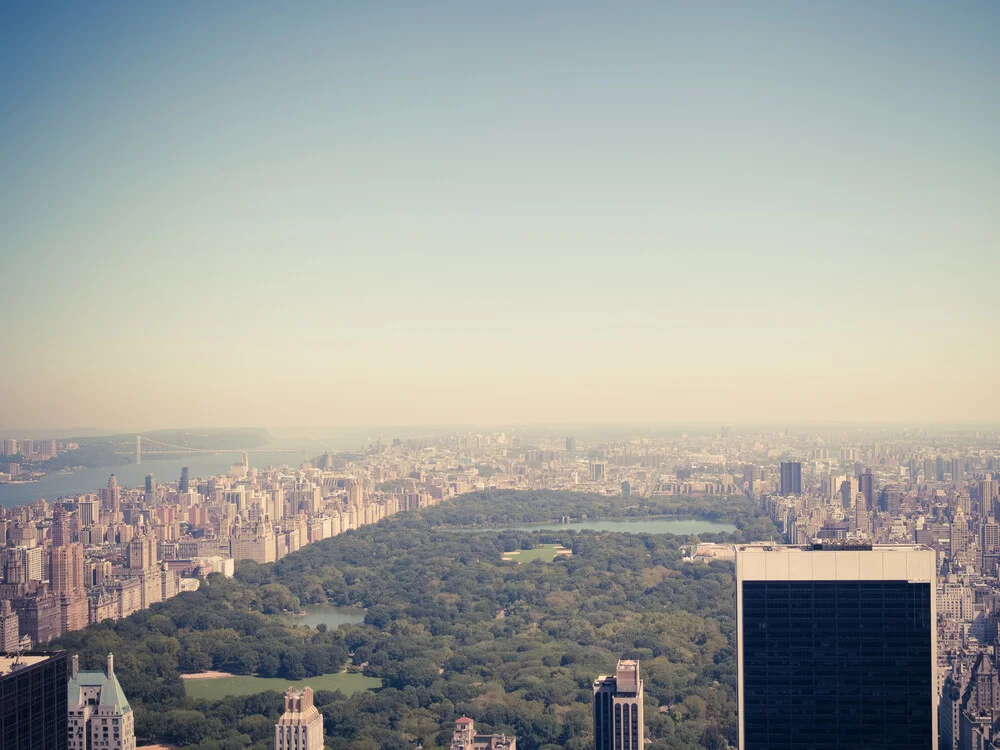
[99, 713]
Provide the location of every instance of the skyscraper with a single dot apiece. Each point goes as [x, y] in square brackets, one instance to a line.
[185, 482]
[301, 726]
[150, 487]
[33, 701]
[61, 534]
[836, 646]
[618, 717]
[866, 486]
[791, 478]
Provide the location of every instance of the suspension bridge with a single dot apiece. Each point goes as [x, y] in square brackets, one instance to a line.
[149, 446]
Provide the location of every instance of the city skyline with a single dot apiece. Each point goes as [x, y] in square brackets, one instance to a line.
[456, 214]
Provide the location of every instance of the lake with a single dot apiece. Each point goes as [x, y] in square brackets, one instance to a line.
[647, 525]
[333, 617]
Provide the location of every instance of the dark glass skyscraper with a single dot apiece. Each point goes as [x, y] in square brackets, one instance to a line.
[33, 705]
[836, 647]
[185, 482]
[791, 478]
[619, 723]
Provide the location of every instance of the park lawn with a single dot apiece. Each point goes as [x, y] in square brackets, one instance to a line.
[345, 682]
[543, 552]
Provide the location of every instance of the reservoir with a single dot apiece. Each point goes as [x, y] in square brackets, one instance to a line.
[644, 525]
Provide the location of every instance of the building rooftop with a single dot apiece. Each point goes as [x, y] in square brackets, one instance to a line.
[13, 662]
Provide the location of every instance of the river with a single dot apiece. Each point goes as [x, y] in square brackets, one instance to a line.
[166, 470]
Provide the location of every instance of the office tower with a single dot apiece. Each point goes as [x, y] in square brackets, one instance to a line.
[185, 482]
[939, 469]
[150, 488]
[928, 470]
[111, 496]
[89, 510]
[571, 445]
[748, 475]
[849, 492]
[598, 471]
[958, 540]
[955, 469]
[791, 478]
[866, 486]
[301, 726]
[618, 717]
[33, 701]
[465, 738]
[836, 646]
[989, 545]
[987, 491]
[99, 715]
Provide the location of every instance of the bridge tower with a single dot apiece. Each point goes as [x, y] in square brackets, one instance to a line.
[138, 449]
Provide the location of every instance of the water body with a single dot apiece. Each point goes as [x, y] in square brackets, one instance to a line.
[166, 470]
[649, 525]
[332, 617]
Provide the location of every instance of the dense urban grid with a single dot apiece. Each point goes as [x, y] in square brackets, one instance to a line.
[100, 557]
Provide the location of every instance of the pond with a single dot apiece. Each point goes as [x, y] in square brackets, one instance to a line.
[327, 614]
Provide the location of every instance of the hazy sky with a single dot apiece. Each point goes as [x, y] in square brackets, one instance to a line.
[494, 212]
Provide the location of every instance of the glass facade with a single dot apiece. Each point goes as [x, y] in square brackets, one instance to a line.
[33, 706]
[837, 664]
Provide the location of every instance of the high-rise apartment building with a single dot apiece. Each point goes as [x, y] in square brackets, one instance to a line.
[150, 488]
[836, 647]
[301, 726]
[618, 717]
[33, 701]
[598, 471]
[791, 478]
[185, 483]
[9, 631]
[99, 715]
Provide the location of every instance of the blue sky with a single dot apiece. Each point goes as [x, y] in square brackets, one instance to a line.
[364, 213]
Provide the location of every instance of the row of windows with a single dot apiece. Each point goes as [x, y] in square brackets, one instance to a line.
[832, 664]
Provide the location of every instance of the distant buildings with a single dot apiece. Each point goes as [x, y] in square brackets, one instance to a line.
[99, 715]
[33, 701]
[301, 726]
[618, 716]
[465, 738]
[836, 646]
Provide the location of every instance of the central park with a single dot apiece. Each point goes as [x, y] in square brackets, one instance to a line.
[460, 609]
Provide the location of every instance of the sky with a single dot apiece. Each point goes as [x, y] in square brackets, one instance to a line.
[230, 213]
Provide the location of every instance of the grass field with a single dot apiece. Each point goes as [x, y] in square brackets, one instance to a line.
[544, 552]
[345, 682]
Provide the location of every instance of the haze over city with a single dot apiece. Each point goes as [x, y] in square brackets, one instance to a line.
[366, 214]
